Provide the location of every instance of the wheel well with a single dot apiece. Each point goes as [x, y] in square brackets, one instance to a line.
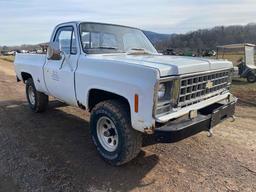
[96, 96]
[25, 76]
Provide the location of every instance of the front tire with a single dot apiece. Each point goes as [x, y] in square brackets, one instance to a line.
[251, 78]
[37, 101]
[112, 133]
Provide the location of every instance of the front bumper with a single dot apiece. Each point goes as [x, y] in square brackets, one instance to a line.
[207, 118]
[197, 106]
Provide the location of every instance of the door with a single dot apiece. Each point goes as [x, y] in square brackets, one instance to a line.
[249, 56]
[60, 74]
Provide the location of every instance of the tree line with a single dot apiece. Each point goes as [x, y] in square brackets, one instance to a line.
[205, 39]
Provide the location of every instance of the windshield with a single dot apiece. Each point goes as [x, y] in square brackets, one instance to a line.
[104, 38]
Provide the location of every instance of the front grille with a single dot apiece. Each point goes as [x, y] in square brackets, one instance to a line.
[196, 88]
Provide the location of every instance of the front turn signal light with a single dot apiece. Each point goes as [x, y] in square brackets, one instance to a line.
[136, 103]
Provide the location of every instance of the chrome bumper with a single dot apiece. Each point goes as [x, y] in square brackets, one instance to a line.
[183, 111]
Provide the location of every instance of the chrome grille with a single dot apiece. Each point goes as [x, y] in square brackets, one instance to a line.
[196, 88]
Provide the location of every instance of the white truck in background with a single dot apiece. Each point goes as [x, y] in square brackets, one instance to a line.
[130, 89]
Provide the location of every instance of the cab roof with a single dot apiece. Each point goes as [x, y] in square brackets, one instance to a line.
[91, 22]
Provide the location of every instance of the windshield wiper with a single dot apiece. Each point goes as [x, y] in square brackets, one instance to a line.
[106, 47]
[138, 51]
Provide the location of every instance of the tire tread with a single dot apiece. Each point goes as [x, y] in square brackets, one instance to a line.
[133, 138]
[41, 99]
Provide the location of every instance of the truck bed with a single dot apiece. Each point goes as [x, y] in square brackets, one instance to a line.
[32, 64]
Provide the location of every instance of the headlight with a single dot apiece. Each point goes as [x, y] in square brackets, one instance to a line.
[167, 94]
[161, 91]
[164, 91]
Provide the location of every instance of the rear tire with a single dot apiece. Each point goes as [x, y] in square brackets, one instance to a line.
[112, 133]
[37, 101]
[251, 78]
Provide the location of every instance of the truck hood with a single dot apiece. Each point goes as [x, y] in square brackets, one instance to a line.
[170, 65]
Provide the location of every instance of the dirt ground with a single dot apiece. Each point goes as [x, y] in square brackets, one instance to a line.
[53, 152]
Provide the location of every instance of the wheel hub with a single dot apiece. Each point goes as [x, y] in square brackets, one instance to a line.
[31, 95]
[110, 132]
[107, 134]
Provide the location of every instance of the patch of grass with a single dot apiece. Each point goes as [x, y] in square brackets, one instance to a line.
[244, 90]
[233, 57]
[7, 58]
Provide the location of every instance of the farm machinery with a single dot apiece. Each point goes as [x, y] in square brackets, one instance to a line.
[246, 64]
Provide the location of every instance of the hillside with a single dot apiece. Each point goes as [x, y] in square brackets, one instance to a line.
[207, 38]
[157, 38]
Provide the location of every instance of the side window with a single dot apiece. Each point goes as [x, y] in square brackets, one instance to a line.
[95, 40]
[90, 39]
[86, 39]
[109, 40]
[66, 39]
[130, 42]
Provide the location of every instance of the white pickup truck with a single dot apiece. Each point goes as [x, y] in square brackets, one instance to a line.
[116, 74]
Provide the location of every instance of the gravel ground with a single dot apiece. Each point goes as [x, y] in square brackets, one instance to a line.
[53, 152]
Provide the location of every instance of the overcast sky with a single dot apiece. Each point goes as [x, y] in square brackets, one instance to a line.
[31, 21]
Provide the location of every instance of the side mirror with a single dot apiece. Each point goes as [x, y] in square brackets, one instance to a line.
[53, 51]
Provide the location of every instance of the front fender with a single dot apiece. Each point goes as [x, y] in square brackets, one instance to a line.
[125, 80]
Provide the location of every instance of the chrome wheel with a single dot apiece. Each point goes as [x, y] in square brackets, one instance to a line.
[107, 134]
[31, 95]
